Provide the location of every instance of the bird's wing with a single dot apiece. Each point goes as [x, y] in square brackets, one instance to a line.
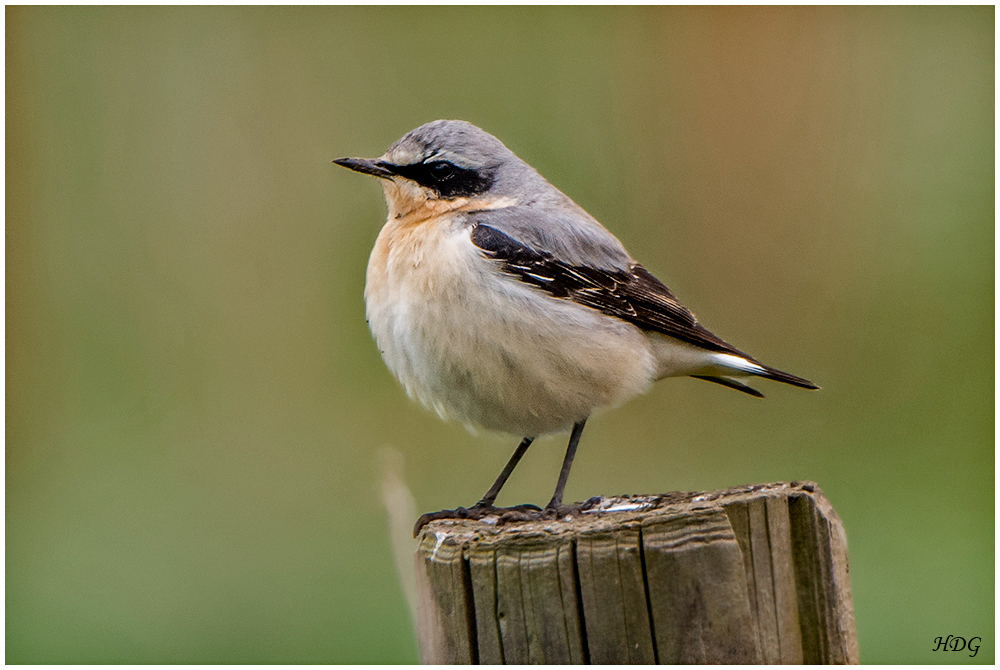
[629, 293]
[560, 228]
[606, 279]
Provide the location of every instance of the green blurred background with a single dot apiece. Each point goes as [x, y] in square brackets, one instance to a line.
[195, 408]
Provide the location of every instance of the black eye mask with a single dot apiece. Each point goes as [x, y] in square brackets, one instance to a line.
[447, 179]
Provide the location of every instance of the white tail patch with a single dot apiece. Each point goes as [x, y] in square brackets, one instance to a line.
[737, 363]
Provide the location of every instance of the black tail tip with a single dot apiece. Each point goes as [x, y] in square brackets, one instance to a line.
[779, 376]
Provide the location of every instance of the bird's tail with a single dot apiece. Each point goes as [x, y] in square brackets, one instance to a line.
[729, 365]
[787, 378]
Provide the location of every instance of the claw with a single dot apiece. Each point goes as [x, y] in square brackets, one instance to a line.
[526, 512]
[562, 511]
[478, 512]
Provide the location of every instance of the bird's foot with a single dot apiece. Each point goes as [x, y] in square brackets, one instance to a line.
[478, 512]
[504, 515]
[561, 511]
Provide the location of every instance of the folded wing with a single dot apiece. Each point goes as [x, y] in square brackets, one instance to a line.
[631, 294]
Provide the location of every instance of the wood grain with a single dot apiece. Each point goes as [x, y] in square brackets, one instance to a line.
[754, 574]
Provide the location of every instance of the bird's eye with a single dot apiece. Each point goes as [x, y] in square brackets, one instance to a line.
[441, 171]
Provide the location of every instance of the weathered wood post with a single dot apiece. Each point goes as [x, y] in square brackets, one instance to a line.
[755, 574]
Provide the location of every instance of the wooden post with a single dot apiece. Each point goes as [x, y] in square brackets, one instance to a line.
[756, 574]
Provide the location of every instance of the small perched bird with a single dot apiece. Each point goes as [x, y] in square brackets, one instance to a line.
[499, 302]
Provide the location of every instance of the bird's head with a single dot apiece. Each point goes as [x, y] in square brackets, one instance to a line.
[448, 162]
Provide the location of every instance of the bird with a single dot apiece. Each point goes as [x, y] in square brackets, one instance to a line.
[497, 301]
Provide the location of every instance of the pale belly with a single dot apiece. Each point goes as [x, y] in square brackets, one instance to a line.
[486, 349]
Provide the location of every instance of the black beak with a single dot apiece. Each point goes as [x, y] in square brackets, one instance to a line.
[367, 166]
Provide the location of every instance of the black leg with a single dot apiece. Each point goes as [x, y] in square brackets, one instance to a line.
[491, 495]
[485, 507]
[574, 440]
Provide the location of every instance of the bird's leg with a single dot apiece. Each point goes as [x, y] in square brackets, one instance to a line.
[485, 505]
[491, 495]
[555, 505]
